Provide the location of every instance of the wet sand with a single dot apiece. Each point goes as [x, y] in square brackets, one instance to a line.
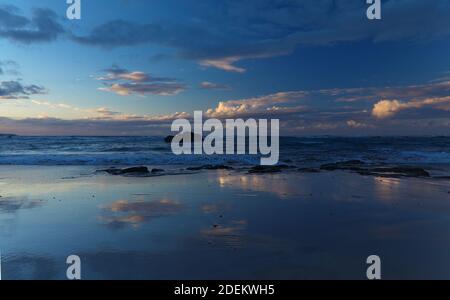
[221, 224]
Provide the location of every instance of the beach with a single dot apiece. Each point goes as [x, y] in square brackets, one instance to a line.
[221, 224]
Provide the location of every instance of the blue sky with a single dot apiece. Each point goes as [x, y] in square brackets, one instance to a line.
[131, 67]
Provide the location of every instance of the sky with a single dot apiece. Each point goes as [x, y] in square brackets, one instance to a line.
[131, 67]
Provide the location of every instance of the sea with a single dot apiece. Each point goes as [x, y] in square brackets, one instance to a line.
[153, 150]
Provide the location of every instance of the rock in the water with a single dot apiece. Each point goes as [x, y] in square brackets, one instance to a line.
[268, 169]
[401, 171]
[137, 171]
[309, 170]
[157, 171]
[371, 170]
[210, 167]
[168, 139]
[353, 165]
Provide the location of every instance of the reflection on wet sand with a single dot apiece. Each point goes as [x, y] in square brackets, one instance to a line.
[386, 188]
[23, 266]
[123, 212]
[227, 235]
[10, 207]
[14, 204]
[205, 226]
[274, 184]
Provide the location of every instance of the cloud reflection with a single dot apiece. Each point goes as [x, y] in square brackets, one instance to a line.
[123, 213]
[228, 235]
[14, 204]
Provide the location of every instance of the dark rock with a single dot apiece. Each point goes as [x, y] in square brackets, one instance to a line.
[127, 171]
[168, 139]
[353, 165]
[402, 171]
[134, 170]
[368, 170]
[309, 170]
[268, 169]
[210, 167]
[157, 171]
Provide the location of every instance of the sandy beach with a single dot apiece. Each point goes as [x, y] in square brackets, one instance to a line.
[221, 224]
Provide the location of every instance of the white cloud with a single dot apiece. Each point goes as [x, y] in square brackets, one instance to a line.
[278, 102]
[388, 108]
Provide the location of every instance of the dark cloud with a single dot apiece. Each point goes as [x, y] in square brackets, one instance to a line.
[8, 67]
[121, 33]
[226, 33]
[16, 90]
[220, 35]
[123, 82]
[43, 26]
[99, 126]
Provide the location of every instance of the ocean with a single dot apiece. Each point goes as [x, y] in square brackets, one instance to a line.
[298, 151]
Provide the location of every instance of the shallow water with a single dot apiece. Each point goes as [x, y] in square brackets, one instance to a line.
[221, 225]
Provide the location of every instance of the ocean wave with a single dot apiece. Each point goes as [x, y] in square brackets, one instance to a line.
[125, 159]
[304, 152]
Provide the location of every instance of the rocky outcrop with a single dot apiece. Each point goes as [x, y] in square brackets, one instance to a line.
[134, 171]
[268, 169]
[383, 171]
[210, 167]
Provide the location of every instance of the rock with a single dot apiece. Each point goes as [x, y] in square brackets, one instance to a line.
[134, 170]
[344, 165]
[309, 170]
[168, 139]
[210, 167]
[384, 171]
[268, 169]
[402, 171]
[137, 171]
[157, 171]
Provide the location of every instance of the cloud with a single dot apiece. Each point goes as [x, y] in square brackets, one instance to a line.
[388, 108]
[356, 124]
[8, 67]
[41, 27]
[206, 85]
[123, 82]
[15, 90]
[222, 36]
[119, 33]
[105, 113]
[278, 102]
[225, 64]
[238, 30]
